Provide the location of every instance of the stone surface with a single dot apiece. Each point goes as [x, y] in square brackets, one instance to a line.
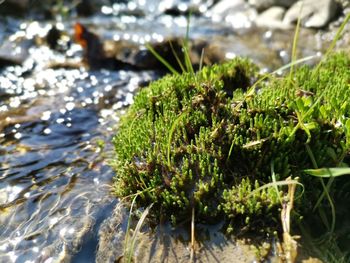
[237, 13]
[314, 13]
[272, 18]
[14, 52]
[165, 244]
[265, 4]
[226, 7]
[112, 235]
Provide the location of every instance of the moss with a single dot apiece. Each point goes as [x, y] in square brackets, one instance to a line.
[200, 141]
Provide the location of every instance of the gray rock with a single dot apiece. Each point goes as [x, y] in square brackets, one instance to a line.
[112, 236]
[314, 13]
[14, 52]
[164, 244]
[261, 5]
[234, 12]
[225, 7]
[272, 18]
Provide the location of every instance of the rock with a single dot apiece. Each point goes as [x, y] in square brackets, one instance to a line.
[85, 8]
[261, 5]
[237, 13]
[272, 18]
[172, 47]
[166, 49]
[94, 55]
[14, 52]
[124, 54]
[141, 58]
[163, 244]
[112, 235]
[90, 7]
[53, 36]
[314, 13]
[14, 7]
[184, 10]
[225, 7]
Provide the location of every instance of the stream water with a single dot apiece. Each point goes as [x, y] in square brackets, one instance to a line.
[55, 182]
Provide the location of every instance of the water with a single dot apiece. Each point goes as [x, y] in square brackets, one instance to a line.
[55, 182]
[54, 177]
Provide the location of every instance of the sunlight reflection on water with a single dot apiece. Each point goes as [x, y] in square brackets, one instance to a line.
[54, 180]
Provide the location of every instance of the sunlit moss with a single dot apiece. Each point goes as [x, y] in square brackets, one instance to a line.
[200, 141]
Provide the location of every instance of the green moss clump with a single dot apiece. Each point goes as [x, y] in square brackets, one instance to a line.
[201, 141]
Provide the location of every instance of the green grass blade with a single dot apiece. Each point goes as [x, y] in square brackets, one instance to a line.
[186, 47]
[325, 189]
[171, 132]
[162, 60]
[177, 57]
[275, 184]
[251, 90]
[328, 172]
[201, 60]
[295, 42]
[293, 63]
[188, 62]
[273, 175]
[335, 40]
[230, 151]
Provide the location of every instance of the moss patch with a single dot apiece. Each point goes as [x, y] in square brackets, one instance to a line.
[201, 141]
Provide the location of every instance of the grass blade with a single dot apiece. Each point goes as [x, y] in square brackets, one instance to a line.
[162, 60]
[328, 172]
[325, 189]
[171, 132]
[295, 42]
[126, 241]
[136, 232]
[335, 40]
[186, 47]
[177, 57]
[273, 176]
[275, 184]
[251, 90]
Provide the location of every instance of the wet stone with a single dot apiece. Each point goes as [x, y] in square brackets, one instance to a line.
[166, 244]
[14, 52]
